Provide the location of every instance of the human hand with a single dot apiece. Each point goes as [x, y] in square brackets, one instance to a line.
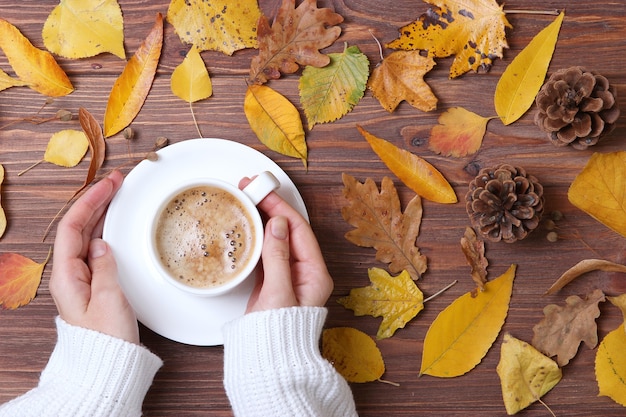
[294, 272]
[84, 277]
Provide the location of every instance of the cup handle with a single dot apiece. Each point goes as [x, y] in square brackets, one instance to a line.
[261, 186]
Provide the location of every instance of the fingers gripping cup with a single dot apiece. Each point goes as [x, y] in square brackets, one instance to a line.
[207, 235]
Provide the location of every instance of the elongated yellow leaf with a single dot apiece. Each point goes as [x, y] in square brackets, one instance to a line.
[275, 121]
[132, 86]
[415, 172]
[353, 354]
[66, 148]
[7, 81]
[523, 77]
[462, 334]
[85, 28]
[35, 67]
[190, 80]
[611, 366]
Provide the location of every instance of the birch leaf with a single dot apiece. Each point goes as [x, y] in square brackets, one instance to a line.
[353, 354]
[583, 267]
[600, 190]
[415, 172]
[329, 93]
[397, 299]
[463, 333]
[524, 76]
[610, 366]
[275, 121]
[6, 81]
[37, 68]
[220, 25]
[19, 279]
[190, 80]
[84, 28]
[66, 148]
[525, 374]
[3, 217]
[459, 133]
[133, 85]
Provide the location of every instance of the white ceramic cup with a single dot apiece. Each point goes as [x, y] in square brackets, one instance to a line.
[249, 197]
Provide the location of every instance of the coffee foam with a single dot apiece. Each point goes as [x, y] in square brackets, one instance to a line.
[204, 237]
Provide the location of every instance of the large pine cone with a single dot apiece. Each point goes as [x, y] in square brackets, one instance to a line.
[576, 107]
[504, 203]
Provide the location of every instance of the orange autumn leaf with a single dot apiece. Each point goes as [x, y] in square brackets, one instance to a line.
[132, 86]
[459, 133]
[37, 68]
[19, 279]
[415, 172]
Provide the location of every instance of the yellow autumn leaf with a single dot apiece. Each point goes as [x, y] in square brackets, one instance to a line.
[600, 190]
[220, 25]
[66, 148]
[610, 366]
[397, 299]
[464, 331]
[3, 217]
[415, 172]
[132, 86]
[190, 80]
[525, 374]
[524, 76]
[6, 81]
[37, 68]
[275, 121]
[619, 302]
[459, 133]
[19, 279]
[85, 28]
[353, 354]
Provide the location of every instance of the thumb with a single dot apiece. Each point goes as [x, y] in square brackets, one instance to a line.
[103, 267]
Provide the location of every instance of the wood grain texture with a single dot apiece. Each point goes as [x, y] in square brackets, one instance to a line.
[190, 382]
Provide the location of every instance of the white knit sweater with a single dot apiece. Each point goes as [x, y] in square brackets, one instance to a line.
[272, 367]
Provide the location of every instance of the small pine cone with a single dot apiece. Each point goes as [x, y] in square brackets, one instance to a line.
[504, 203]
[576, 107]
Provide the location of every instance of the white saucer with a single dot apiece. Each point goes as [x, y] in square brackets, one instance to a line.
[159, 306]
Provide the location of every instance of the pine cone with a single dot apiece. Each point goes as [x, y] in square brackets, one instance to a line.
[504, 203]
[576, 107]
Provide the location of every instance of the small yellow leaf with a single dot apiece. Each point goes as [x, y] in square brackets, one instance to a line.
[462, 334]
[415, 172]
[19, 279]
[600, 190]
[33, 66]
[525, 374]
[459, 133]
[611, 366]
[524, 76]
[397, 299]
[190, 80]
[3, 217]
[353, 354]
[66, 148]
[275, 121]
[6, 81]
[84, 28]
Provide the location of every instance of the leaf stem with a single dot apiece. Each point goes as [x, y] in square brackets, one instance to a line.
[24, 171]
[446, 288]
[554, 12]
[380, 48]
[195, 122]
[384, 381]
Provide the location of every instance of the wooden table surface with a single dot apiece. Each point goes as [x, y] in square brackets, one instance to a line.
[190, 382]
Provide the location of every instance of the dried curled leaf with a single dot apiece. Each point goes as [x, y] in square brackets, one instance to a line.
[459, 133]
[19, 279]
[380, 224]
[3, 217]
[610, 366]
[294, 38]
[353, 354]
[583, 267]
[190, 80]
[397, 299]
[474, 251]
[563, 328]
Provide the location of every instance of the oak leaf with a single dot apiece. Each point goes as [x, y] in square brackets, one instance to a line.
[294, 38]
[330, 92]
[474, 250]
[400, 76]
[220, 25]
[6, 81]
[190, 80]
[525, 374]
[582, 267]
[610, 366]
[275, 121]
[459, 133]
[415, 172]
[381, 224]
[563, 328]
[133, 85]
[599, 190]
[37, 68]
[84, 28]
[473, 30]
[397, 299]
[463, 332]
[3, 217]
[19, 279]
[353, 354]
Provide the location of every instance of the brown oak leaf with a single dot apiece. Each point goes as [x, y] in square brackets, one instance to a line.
[381, 224]
[474, 251]
[563, 328]
[294, 38]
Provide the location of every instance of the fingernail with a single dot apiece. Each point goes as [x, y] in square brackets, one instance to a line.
[280, 227]
[97, 248]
